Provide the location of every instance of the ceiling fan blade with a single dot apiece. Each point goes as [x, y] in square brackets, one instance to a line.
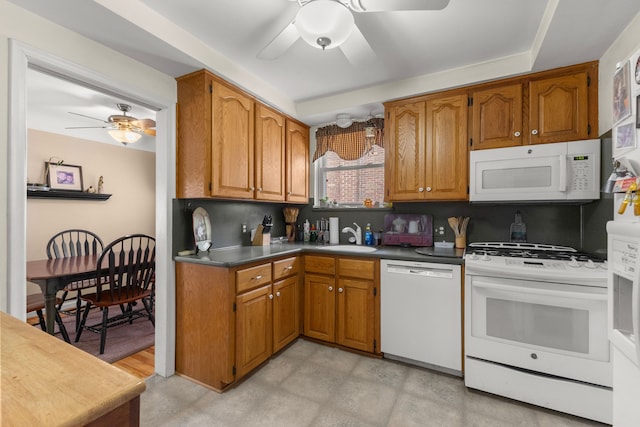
[280, 43]
[151, 132]
[88, 117]
[357, 49]
[395, 5]
[144, 123]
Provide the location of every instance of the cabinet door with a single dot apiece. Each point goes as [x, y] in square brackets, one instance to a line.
[232, 143]
[254, 331]
[559, 109]
[320, 307]
[446, 148]
[269, 154]
[285, 312]
[497, 117]
[297, 163]
[404, 159]
[355, 312]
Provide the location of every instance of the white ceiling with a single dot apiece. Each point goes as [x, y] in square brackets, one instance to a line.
[414, 49]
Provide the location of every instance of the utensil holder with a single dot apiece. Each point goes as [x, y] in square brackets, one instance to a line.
[261, 238]
[461, 241]
[290, 228]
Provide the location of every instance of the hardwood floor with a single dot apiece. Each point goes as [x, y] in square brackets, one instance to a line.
[139, 364]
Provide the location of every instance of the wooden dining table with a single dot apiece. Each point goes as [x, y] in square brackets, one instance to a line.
[53, 275]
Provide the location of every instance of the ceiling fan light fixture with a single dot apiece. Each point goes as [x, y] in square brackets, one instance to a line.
[343, 121]
[125, 136]
[324, 24]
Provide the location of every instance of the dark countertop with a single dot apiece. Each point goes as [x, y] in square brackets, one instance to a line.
[237, 255]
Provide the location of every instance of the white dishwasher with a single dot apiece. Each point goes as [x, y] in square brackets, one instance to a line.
[421, 314]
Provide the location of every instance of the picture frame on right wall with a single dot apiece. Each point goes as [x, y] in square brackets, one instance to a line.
[621, 93]
[624, 138]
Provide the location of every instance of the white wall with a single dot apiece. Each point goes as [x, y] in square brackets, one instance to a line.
[129, 176]
[93, 62]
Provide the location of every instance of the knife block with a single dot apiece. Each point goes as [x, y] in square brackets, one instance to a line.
[260, 238]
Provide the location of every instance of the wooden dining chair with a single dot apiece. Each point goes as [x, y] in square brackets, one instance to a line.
[71, 243]
[128, 266]
[35, 302]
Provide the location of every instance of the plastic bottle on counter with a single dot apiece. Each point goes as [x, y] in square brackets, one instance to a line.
[313, 233]
[518, 229]
[368, 236]
[307, 230]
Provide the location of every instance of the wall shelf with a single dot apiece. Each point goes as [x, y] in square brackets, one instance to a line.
[62, 194]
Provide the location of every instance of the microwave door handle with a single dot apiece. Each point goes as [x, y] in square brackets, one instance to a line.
[538, 291]
[563, 173]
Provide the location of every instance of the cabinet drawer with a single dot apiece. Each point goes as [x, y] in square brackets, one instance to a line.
[252, 277]
[285, 267]
[320, 264]
[360, 268]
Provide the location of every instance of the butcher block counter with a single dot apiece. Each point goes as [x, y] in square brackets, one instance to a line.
[47, 382]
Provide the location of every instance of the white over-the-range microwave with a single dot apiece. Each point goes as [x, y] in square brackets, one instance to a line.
[564, 171]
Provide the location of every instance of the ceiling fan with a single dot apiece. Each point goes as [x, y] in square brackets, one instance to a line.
[125, 129]
[327, 24]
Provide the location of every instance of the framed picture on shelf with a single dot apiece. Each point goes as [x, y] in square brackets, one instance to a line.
[621, 93]
[624, 138]
[64, 177]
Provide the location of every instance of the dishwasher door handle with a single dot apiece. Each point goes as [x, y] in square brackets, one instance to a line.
[444, 273]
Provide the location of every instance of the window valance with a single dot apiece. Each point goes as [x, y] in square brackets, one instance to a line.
[349, 143]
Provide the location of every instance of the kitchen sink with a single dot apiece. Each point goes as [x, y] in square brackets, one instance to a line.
[347, 248]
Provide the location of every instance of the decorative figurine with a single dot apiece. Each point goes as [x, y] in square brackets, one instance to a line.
[100, 185]
[91, 189]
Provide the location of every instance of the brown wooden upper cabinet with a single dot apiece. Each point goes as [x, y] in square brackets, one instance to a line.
[426, 149]
[231, 146]
[552, 106]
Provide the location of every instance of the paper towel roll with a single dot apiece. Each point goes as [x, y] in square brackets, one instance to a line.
[334, 230]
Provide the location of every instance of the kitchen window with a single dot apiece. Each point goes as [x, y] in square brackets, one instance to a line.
[350, 182]
[349, 165]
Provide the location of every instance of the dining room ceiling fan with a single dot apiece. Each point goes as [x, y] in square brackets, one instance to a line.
[123, 128]
[327, 24]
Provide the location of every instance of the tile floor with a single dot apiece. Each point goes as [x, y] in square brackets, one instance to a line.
[314, 385]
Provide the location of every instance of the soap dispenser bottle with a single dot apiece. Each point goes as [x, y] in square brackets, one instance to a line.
[368, 236]
[518, 229]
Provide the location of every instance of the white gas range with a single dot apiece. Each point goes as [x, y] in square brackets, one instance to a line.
[536, 326]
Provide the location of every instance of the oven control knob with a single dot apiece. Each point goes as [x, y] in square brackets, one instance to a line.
[473, 257]
[485, 257]
[534, 356]
[574, 262]
[591, 264]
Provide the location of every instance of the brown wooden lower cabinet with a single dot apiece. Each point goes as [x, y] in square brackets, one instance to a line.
[341, 301]
[230, 320]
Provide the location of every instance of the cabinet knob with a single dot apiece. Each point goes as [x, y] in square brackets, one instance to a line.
[270, 296]
[534, 132]
[420, 190]
[516, 134]
[260, 189]
[252, 188]
[288, 193]
[278, 293]
[290, 267]
[330, 288]
[340, 290]
[428, 188]
[257, 277]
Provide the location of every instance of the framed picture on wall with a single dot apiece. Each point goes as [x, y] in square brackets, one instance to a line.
[624, 138]
[638, 110]
[64, 177]
[621, 93]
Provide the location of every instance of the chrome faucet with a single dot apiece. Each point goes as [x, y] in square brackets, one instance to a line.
[357, 233]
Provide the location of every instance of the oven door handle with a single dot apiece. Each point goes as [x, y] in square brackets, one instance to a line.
[538, 291]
